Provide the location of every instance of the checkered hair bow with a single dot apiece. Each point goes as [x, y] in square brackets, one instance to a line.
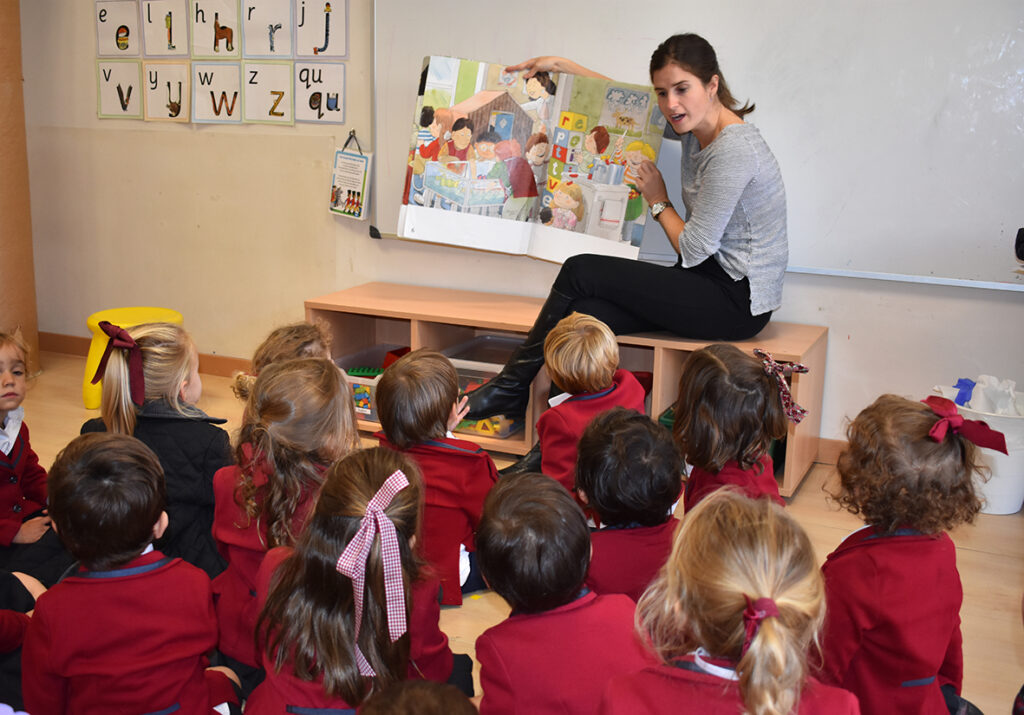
[778, 370]
[352, 563]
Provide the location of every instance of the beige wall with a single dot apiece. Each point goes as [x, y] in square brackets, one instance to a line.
[17, 285]
[229, 225]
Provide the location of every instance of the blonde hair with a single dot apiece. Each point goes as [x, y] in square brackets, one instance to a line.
[296, 340]
[16, 341]
[168, 357]
[643, 147]
[727, 549]
[573, 191]
[581, 354]
[298, 420]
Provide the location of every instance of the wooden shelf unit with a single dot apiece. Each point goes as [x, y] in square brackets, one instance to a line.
[376, 313]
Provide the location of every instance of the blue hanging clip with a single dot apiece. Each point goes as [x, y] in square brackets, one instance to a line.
[965, 389]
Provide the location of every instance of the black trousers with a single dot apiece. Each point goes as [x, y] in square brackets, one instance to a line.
[632, 296]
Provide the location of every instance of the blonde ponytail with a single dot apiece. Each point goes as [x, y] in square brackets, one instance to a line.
[728, 552]
[168, 356]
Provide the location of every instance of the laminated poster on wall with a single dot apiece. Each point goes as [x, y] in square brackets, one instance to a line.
[350, 183]
[544, 166]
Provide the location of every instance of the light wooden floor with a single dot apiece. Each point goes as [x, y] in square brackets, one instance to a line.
[990, 553]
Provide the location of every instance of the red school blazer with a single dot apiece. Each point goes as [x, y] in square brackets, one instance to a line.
[457, 475]
[892, 633]
[558, 661]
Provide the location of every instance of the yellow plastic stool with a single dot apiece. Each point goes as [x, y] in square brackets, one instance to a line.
[126, 318]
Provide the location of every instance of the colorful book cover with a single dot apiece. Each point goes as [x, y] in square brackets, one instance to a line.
[543, 166]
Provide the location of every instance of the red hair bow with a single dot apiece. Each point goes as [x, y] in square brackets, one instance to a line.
[753, 614]
[975, 431]
[119, 338]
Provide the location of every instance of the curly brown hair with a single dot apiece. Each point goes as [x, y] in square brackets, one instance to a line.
[893, 474]
[288, 342]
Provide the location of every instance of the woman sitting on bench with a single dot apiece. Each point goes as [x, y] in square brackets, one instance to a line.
[730, 237]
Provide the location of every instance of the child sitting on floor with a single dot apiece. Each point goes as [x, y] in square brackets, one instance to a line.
[728, 412]
[628, 473]
[27, 544]
[151, 384]
[894, 594]
[582, 359]
[289, 342]
[731, 617]
[347, 612]
[130, 630]
[562, 642]
[298, 421]
[416, 405]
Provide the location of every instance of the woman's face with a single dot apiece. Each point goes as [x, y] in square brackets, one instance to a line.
[685, 101]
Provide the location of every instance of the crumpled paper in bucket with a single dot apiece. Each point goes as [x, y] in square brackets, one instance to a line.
[989, 394]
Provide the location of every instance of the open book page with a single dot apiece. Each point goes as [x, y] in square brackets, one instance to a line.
[543, 167]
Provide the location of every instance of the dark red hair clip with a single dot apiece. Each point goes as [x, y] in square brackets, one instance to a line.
[119, 338]
[975, 431]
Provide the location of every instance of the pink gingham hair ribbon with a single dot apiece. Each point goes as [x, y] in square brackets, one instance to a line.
[352, 563]
[950, 420]
[778, 370]
[753, 614]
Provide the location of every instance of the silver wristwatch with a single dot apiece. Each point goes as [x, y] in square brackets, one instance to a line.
[658, 207]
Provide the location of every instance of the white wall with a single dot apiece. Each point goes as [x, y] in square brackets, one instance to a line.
[229, 225]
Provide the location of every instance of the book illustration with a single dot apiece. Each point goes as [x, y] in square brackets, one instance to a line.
[556, 151]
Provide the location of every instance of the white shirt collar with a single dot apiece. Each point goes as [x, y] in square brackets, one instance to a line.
[558, 399]
[9, 433]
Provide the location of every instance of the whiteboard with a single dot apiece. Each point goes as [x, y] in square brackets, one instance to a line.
[898, 125]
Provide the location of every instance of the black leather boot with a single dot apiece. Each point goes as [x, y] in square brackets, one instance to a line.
[509, 391]
[528, 463]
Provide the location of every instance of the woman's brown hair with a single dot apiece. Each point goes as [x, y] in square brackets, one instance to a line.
[893, 474]
[728, 409]
[696, 55]
[308, 620]
[728, 549]
[298, 420]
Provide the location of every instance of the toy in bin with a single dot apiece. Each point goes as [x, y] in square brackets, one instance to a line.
[498, 426]
[363, 370]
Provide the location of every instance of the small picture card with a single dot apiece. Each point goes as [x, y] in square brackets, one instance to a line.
[117, 28]
[164, 28]
[350, 184]
[168, 91]
[267, 94]
[119, 89]
[321, 29]
[320, 92]
[216, 90]
[216, 31]
[267, 28]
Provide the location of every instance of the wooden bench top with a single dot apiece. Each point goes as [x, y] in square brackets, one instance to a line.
[497, 311]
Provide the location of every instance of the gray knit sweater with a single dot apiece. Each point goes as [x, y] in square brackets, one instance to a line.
[736, 211]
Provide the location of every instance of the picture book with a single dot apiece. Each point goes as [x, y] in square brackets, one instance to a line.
[543, 166]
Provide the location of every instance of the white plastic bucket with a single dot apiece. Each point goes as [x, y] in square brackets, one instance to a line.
[1003, 493]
